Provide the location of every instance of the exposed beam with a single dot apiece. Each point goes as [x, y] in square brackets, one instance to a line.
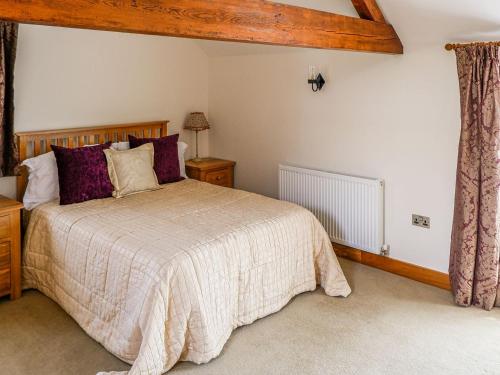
[369, 10]
[253, 21]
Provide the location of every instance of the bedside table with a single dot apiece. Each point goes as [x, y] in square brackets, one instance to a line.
[214, 171]
[10, 247]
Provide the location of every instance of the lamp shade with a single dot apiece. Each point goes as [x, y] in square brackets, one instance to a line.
[196, 121]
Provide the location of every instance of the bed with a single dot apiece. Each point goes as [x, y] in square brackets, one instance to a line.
[167, 275]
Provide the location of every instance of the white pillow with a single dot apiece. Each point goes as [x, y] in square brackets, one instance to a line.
[181, 149]
[120, 146]
[43, 181]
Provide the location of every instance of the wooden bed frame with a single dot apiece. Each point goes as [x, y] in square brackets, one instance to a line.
[31, 144]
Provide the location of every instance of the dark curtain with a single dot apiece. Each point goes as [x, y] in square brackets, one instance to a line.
[475, 248]
[8, 149]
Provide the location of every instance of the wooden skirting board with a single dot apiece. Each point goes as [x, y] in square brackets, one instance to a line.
[411, 271]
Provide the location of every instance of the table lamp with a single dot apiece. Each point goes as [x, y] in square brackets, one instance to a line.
[196, 121]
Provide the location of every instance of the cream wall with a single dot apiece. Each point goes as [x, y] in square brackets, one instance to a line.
[67, 78]
[391, 117]
[395, 118]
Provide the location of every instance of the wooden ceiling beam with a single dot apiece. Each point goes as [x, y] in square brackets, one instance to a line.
[253, 21]
[369, 10]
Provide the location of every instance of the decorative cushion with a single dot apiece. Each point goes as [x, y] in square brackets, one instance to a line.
[166, 162]
[131, 171]
[43, 182]
[181, 150]
[83, 173]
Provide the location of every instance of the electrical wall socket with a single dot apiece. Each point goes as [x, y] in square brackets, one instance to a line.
[421, 221]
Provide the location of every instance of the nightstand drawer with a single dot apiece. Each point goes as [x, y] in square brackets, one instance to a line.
[214, 171]
[4, 256]
[10, 247]
[220, 177]
[4, 226]
[4, 282]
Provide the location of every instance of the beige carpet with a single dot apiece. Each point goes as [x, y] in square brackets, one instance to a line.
[389, 325]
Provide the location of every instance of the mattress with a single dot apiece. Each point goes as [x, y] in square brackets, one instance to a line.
[166, 276]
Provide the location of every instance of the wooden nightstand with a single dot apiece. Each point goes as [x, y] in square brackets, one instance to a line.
[214, 171]
[10, 247]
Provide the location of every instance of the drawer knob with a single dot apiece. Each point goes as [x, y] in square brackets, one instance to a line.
[219, 178]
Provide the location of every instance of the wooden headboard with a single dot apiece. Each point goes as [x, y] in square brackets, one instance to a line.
[35, 143]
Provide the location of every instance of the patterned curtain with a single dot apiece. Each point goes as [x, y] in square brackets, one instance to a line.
[8, 150]
[474, 258]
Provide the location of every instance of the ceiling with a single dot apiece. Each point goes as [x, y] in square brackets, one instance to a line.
[418, 22]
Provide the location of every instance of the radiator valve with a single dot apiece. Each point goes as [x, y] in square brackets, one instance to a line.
[385, 250]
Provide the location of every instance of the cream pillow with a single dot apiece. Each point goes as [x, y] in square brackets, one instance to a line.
[131, 171]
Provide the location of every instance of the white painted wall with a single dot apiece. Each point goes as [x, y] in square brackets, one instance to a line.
[392, 117]
[66, 78]
[395, 118]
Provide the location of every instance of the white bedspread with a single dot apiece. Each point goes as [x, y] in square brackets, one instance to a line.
[166, 276]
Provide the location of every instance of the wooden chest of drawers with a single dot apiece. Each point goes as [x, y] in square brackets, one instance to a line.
[10, 248]
[214, 171]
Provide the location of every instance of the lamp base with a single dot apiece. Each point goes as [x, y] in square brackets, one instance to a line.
[197, 160]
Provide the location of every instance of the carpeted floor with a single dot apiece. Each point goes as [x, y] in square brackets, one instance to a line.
[389, 325]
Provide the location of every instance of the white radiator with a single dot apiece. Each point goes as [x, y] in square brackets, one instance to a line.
[350, 208]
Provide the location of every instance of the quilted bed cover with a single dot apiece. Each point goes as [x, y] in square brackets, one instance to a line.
[166, 276]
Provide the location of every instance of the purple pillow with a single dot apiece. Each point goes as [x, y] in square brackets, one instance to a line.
[166, 161]
[83, 173]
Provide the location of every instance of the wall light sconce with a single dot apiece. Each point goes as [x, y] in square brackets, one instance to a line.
[316, 81]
